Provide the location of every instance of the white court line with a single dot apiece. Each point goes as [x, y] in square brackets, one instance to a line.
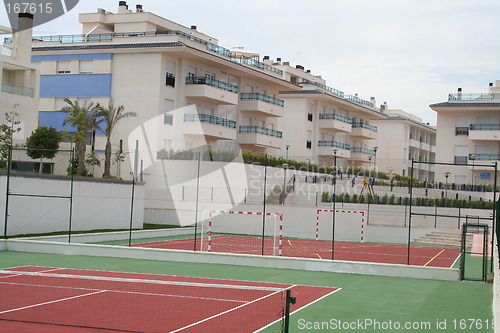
[305, 306]
[125, 292]
[56, 301]
[227, 311]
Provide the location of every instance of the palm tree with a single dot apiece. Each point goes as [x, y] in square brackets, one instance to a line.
[111, 116]
[84, 118]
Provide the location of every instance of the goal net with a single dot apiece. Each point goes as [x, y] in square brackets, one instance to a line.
[349, 225]
[242, 232]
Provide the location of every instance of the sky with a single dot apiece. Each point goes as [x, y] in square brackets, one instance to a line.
[408, 53]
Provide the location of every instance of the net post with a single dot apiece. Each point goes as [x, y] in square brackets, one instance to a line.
[289, 300]
[280, 241]
[209, 233]
[317, 224]
[7, 192]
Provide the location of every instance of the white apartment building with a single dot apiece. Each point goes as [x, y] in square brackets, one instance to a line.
[403, 137]
[197, 92]
[20, 82]
[321, 121]
[469, 133]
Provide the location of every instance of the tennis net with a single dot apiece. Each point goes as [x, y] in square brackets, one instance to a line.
[65, 299]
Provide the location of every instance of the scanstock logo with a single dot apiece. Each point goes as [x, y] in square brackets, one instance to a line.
[42, 11]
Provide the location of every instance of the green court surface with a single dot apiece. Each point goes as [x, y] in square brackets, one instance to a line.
[364, 304]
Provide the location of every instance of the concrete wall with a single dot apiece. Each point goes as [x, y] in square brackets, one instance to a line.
[97, 204]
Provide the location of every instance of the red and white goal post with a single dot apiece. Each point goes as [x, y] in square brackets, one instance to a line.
[349, 225]
[241, 232]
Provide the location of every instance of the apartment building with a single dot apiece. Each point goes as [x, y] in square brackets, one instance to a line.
[197, 93]
[403, 137]
[20, 82]
[331, 122]
[469, 132]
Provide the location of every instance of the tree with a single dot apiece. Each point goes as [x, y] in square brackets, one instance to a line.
[111, 116]
[46, 138]
[7, 132]
[83, 119]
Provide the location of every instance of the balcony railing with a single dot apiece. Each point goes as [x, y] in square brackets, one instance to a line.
[486, 157]
[7, 88]
[362, 150]
[335, 116]
[473, 97]
[5, 51]
[487, 127]
[365, 125]
[334, 144]
[263, 97]
[211, 82]
[206, 118]
[260, 130]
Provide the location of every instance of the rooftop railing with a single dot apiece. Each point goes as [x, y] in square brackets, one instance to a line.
[106, 37]
[360, 101]
[473, 97]
[333, 91]
[262, 97]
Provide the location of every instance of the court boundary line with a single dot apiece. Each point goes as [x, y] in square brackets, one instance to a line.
[230, 310]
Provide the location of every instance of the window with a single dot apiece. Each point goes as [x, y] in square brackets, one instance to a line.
[309, 139]
[309, 117]
[167, 144]
[168, 113]
[308, 144]
[170, 80]
[86, 66]
[191, 72]
[63, 67]
[461, 131]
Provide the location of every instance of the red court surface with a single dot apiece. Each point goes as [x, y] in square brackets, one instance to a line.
[44, 299]
[320, 249]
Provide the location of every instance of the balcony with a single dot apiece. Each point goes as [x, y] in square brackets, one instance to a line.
[362, 154]
[414, 143]
[484, 132]
[214, 128]
[7, 88]
[325, 148]
[364, 130]
[425, 146]
[264, 104]
[212, 91]
[335, 122]
[473, 97]
[259, 136]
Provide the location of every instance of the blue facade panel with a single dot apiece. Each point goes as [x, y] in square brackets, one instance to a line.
[76, 85]
[56, 119]
[61, 57]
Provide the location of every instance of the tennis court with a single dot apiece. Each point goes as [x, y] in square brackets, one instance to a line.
[48, 299]
[321, 249]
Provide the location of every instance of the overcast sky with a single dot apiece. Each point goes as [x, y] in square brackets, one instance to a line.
[408, 53]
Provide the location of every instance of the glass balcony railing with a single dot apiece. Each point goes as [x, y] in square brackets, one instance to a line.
[5, 51]
[486, 157]
[333, 91]
[7, 88]
[110, 36]
[487, 127]
[262, 97]
[362, 150]
[365, 125]
[206, 118]
[360, 101]
[334, 144]
[335, 116]
[472, 97]
[211, 82]
[261, 130]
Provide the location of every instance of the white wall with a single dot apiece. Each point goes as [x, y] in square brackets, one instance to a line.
[97, 204]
